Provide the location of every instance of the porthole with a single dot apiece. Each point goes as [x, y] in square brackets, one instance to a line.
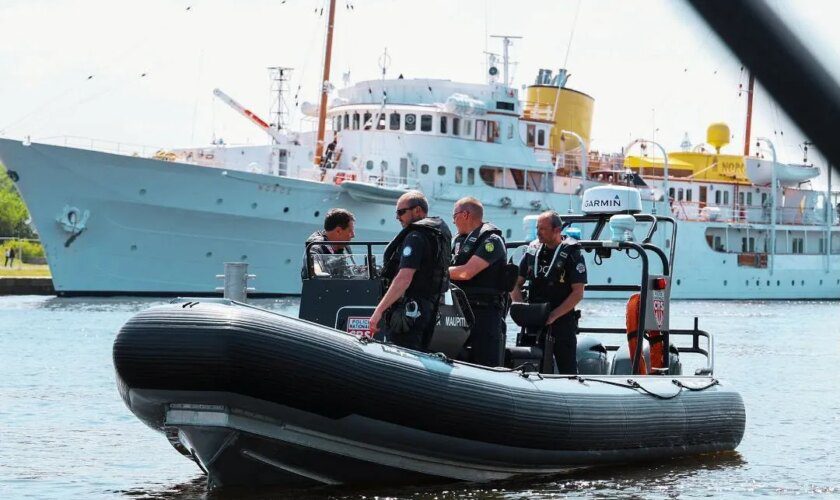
[441, 170]
[219, 201]
[792, 282]
[802, 282]
[369, 165]
[254, 205]
[757, 283]
[288, 261]
[820, 282]
[142, 192]
[747, 283]
[678, 282]
[724, 282]
[768, 282]
[508, 233]
[609, 280]
[244, 257]
[208, 254]
[778, 283]
[285, 209]
[133, 248]
[381, 222]
[424, 169]
[317, 213]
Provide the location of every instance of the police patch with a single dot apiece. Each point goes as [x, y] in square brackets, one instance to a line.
[406, 251]
[489, 247]
[581, 268]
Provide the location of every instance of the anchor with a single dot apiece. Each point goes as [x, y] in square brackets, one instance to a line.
[72, 220]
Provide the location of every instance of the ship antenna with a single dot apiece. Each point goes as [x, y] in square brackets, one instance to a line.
[322, 110]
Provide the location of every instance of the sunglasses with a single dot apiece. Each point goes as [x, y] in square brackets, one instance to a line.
[456, 214]
[402, 211]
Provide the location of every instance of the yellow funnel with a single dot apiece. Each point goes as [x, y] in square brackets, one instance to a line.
[574, 112]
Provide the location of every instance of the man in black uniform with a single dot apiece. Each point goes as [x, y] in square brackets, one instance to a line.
[327, 258]
[478, 268]
[557, 275]
[415, 272]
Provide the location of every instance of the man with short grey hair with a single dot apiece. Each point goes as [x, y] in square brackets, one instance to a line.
[478, 268]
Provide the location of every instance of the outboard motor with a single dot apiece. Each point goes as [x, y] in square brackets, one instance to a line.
[591, 356]
[622, 363]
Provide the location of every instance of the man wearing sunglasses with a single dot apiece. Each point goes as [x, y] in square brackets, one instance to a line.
[478, 268]
[415, 273]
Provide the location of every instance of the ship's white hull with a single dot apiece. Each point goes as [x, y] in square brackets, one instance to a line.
[162, 228]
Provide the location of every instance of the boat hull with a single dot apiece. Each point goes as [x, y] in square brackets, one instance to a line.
[259, 398]
[162, 228]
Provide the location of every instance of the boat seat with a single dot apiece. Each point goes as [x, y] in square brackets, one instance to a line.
[530, 315]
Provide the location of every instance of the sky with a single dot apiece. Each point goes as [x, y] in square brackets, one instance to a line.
[143, 72]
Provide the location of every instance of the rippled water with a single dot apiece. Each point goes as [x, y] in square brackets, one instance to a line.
[64, 431]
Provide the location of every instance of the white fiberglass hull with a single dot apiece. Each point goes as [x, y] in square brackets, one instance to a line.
[161, 228]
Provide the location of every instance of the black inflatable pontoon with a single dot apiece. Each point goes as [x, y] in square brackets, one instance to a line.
[255, 397]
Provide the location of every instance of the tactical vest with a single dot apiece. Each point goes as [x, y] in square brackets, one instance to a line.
[428, 284]
[490, 282]
[319, 236]
[544, 286]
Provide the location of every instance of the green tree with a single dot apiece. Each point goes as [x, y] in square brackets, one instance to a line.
[13, 212]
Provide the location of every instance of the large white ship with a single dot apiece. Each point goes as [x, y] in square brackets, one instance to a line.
[163, 224]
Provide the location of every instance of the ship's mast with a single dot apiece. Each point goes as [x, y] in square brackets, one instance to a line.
[322, 110]
[279, 89]
[506, 43]
[750, 89]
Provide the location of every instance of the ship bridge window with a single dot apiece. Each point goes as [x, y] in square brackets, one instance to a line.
[441, 170]
[688, 194]
[425, 123]
[680, 194]
[456, 126]
[749, 198]
[741, 198]
[507, 106]
[367, 123]
[492, 131]
[443, 121]
[671, 192]
[530, 131]
[470, 176]
[798, 245]
[380, 121]
[468, 128]
[489, 175]
[726, 197]
[480, 130]
[717, 197]
[410, 121]
[459, 175]
[394, 123]
[346, 120]
[541, 137]
[356, 120]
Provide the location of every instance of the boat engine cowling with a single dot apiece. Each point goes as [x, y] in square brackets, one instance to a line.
[591, 356]
[622, 364]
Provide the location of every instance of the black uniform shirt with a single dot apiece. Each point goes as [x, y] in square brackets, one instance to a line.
[418, 255]
[573, 271]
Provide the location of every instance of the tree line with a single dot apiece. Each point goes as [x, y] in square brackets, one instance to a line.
[13, 212]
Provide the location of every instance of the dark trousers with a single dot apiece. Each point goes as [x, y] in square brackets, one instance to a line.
[418, 336]
[564, 331]
[487, 337]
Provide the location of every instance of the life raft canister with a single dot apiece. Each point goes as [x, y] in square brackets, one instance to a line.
[657, 352]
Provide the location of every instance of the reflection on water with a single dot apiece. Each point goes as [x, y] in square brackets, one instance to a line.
[65, 432]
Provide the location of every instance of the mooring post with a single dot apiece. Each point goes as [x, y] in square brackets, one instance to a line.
[235, 281]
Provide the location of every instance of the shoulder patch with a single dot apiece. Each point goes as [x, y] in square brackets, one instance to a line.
[406, 251]
[489, 247]
[581, 268]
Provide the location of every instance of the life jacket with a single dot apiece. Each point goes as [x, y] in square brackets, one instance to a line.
[491, 281]
[544, 286]
[428, 284]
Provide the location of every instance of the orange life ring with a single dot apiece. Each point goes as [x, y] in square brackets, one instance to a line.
[657, 346]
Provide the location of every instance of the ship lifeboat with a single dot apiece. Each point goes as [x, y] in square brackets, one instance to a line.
[760, 172]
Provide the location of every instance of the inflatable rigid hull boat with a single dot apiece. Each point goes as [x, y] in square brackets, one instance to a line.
[255, 397]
